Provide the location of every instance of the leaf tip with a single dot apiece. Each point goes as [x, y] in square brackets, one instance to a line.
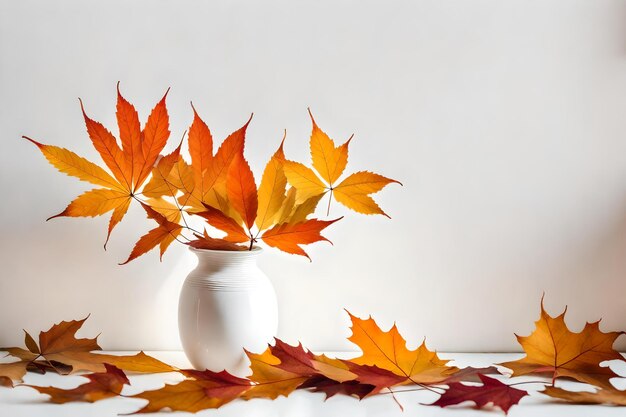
[33, 141]
[249, 120]
[165, 95]
[311, 116]
[61, 214]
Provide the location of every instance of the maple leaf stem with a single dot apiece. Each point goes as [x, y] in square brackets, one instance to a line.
[393, 395]
[330, 199]
[528, 382]
[52, 366]
[182, 216]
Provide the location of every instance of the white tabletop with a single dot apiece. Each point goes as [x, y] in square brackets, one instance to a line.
[26, 402]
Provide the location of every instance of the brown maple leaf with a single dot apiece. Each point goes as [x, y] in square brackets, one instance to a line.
[555, 350]
[62, 352]
[101, 385]
[202, 390]
[602, 396]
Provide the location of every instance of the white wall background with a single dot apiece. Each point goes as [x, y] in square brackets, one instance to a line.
[503, 119]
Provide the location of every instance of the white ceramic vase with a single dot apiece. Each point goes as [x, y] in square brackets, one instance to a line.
[226, 304]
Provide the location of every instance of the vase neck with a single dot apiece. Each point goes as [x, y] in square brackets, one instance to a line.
[218, 260]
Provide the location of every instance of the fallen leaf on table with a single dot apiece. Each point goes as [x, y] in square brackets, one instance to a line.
[471, 374]
[492, 391]
[602, 396]
[62, 352]
[203, 390]
[377, 377]
[282, 368]
[101, 385]
[6, 382]
[331, 387]
[553, 349]
[387, 350]
[271, 381]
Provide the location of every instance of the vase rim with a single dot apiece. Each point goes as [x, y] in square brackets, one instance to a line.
[254, 251]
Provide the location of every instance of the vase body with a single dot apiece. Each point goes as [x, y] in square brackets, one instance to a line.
[226, 304]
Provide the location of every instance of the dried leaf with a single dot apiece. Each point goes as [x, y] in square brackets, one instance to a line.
[209, 243]
[63, 353]
[602, 396]
[492, 391]
[205, 390]
[130, 135]
[330, 162]
[161, 236]
[289, 237]
[234, 232]
[387, 350]
[272, 190]
[552, 348]
[101, 385]
[354, 191]
[241, 190]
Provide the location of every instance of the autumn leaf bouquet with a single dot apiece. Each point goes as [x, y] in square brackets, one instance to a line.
[218, 188]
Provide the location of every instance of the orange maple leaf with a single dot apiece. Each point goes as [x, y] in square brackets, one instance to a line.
[163, 235]
[61, 351]
[387, 350]
[555, 350]
[289, 237]
[130, 164]
[330, 161]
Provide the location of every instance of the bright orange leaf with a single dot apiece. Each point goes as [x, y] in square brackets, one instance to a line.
[387, 350]
[330, 162]
[234, 231]
[162, 235]
[241, 190]
[555, 350]
[289, 237]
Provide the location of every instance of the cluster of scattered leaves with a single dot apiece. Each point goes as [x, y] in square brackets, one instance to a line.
[385, 366]
[60, 351]
[218, 188]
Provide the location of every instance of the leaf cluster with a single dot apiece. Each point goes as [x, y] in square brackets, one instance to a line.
[385, 366]
[216, 186]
